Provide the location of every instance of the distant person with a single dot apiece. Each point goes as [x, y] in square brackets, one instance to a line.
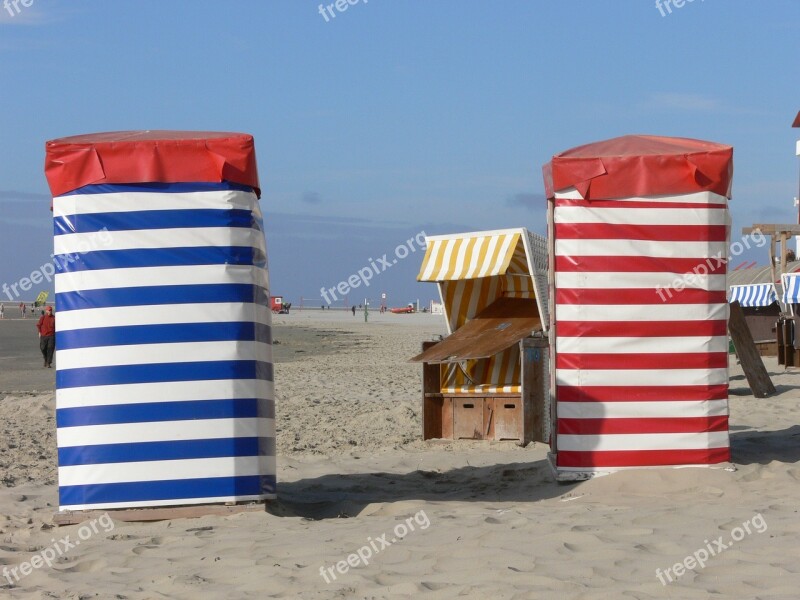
[24, 310]
[47, 336]
[2, 311]
[354, 309]
[790, 256]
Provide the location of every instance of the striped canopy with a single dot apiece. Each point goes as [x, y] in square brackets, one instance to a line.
[791, 288]
[471, 256]
[761, 294]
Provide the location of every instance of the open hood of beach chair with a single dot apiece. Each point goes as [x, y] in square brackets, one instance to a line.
[501, 324]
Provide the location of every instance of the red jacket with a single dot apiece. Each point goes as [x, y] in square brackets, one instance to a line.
[46, 325]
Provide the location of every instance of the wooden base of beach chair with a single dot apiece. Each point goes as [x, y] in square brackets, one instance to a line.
[522, 417]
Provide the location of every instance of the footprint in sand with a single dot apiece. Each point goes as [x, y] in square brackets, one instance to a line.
[86, 566]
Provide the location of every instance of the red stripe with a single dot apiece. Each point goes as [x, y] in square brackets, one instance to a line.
[654, 233]
[667, 393]
[642, 458]
[639, 264]
[648, 425]
[672, 360]
[641, 328]
[618, 296]
[633, 204]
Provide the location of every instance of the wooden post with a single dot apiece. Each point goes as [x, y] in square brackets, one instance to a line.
[757, 377]
[431, 398]
[534, 353]
[783, 254]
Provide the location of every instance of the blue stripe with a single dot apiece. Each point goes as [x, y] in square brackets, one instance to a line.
[163, 372]
[154, 219]
[172, 450]
[161, 188]
[162, 294]
[163, 334]
[178, 489]
[161, 257]
[153, 412]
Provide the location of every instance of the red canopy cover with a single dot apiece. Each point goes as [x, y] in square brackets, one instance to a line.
[641, 165]
[150, 156]
[796, 121]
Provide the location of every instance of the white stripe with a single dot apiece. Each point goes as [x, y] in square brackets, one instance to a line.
[163, 314]
[642, 345]
[642, 410]
[641, 216]
[611, 281]
[460, 260]
[487, 267]
[695, 198]
[173, 391]
[173, 502]
[447, 253]
[179, 237]
[167, 470]
[474, 263]
[433, 258]
[487, 389]
[84, 204]
[495, 268]
[163, 431]
[593, 247]
[148, 354]
[641, 312]
[638, 441]
[641, 377]
[105, 279]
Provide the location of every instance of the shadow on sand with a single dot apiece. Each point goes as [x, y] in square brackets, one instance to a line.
[763, 447]
[346, 495]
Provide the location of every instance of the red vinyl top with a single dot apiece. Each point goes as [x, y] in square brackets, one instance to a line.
[149, 157]
[641, 165]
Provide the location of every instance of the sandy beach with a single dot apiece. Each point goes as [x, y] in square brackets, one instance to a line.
[440, 520]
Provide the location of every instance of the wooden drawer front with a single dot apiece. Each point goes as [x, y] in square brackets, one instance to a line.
[508, 419]
[468, 419]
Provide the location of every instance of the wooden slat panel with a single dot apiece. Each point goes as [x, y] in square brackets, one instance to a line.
[502, 324]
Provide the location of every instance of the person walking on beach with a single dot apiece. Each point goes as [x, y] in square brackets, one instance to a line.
[354, 310]
[24, 310]
[2, 311]
[47, 336]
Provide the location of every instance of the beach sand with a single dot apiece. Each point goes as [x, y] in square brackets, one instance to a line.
[488, 520]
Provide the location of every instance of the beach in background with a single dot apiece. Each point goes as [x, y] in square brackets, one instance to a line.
[478, 519]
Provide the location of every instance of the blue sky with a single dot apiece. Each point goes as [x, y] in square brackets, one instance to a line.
[396, 117]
